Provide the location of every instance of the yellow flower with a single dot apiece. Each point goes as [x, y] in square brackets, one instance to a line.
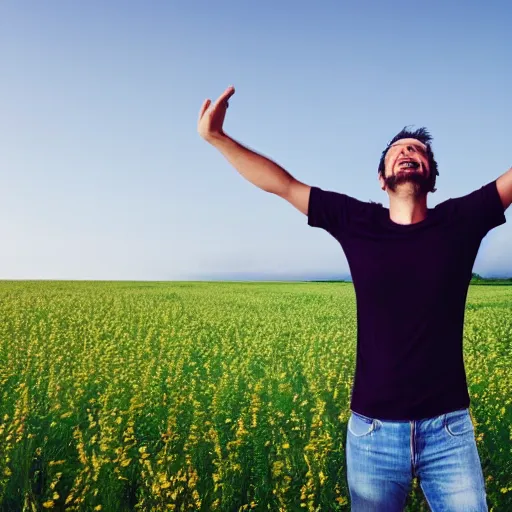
[48, 504]
[56, 462]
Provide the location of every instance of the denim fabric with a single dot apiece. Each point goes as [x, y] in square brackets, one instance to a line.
[383, 456]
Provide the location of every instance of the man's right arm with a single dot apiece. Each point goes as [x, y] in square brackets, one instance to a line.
[263, 172]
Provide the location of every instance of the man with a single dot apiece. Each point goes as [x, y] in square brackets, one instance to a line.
[411, 267]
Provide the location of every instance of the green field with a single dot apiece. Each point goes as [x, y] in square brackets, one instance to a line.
[120, 396]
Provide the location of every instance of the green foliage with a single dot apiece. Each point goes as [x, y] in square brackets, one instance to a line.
[477, 279]
[206, 396]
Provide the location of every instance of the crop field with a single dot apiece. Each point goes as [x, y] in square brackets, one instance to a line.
[120, 396]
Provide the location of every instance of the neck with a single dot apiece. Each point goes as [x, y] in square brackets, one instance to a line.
[407, 208]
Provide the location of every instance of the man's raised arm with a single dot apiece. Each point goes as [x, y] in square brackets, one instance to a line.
[504, 186]
[259, 170]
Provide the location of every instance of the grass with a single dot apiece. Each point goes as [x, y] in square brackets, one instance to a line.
[120, 396]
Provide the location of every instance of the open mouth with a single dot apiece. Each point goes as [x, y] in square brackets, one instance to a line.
[408, 165]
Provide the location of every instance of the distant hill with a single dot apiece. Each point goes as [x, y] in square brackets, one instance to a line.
[306, 276]
[475, 279]
[478, 279]
[314, 277]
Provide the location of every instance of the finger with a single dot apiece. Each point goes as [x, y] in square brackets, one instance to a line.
[224, 97]
[203, 109]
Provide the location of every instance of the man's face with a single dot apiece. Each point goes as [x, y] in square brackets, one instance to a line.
[406, 162]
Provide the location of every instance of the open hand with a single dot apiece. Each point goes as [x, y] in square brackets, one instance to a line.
[211, 120]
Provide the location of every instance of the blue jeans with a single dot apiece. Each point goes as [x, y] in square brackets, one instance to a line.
[383, 456]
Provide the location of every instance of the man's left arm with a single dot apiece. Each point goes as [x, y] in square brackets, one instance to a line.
[504, 186]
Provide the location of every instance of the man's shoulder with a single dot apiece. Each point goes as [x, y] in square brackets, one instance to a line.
[343, 197]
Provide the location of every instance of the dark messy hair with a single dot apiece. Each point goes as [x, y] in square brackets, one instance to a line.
[422, 135]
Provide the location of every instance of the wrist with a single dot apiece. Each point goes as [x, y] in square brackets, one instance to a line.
[216, 138]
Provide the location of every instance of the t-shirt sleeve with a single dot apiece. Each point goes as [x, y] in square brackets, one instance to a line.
[482, 209]
[332, 211]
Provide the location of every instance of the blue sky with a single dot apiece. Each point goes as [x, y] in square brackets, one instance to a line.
[104, 176]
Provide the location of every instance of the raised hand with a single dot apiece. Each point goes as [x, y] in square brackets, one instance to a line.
[210, 121]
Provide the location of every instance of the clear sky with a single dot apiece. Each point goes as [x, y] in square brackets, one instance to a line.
[104, 176]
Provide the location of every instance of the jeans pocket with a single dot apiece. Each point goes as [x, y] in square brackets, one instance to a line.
[458, 423]
[360, 426]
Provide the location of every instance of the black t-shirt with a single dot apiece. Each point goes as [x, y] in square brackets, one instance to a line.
[411, 283]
